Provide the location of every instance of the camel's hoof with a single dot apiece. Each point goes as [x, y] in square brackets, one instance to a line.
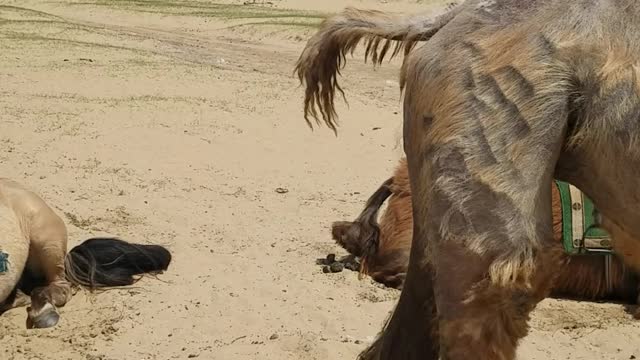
[47, 318]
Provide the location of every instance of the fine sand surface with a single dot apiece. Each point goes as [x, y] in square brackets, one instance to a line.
[180, 123]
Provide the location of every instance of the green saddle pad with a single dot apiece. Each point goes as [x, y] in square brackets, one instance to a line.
[581, 233]
[4, 262]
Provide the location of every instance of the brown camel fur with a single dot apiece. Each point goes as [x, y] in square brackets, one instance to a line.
[35, 261]
[502, 97]
[384, 248]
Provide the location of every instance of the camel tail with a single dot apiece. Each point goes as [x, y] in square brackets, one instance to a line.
[362, 236]
[324, 54]
[110, 262]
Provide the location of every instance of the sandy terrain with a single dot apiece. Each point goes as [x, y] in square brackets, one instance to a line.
[174, 123]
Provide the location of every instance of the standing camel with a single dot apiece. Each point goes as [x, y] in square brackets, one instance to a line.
[502, 97]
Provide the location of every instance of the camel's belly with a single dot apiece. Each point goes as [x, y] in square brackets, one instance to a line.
[14, 251]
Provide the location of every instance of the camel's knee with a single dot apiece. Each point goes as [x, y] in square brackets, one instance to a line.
[60, 292]
[57, 293]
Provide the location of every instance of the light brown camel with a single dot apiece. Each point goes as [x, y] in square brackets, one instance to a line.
[502, 97]
[34, 258]
[383, 248]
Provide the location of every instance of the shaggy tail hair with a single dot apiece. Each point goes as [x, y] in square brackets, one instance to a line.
[109, 262]
[325, 53]
[361, 237]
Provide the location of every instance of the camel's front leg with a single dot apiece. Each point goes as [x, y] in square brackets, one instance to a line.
[43, 312]
[482, 144]
[47, 259]
[489, 244]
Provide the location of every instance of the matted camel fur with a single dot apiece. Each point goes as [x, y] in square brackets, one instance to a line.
[500, 98]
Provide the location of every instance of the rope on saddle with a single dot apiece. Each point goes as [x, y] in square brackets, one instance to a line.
[608, 259]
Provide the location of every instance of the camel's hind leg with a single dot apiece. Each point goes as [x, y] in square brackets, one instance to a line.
[47, 259]
[484, 128]
[488, 248]
[484, 232]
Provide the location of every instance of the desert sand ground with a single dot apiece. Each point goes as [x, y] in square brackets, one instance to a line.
[180, 123]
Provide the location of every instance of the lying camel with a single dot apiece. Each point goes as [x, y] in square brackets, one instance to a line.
[34, 258]
[384, 248]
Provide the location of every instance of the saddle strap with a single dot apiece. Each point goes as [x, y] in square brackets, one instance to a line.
[608, 280]
[581, 234]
